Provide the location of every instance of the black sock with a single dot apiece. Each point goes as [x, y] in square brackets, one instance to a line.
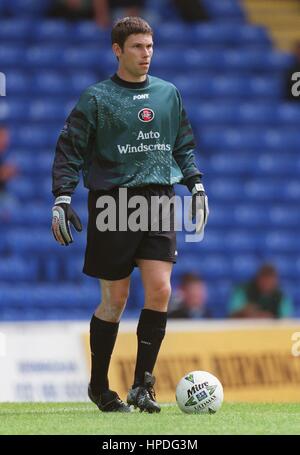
[103, 336]
[150, 333]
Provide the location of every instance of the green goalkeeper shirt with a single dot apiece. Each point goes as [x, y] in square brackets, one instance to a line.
[124, 134]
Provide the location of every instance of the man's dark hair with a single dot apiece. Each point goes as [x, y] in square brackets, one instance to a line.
[129, 26]
[266, 270]
[188, 278]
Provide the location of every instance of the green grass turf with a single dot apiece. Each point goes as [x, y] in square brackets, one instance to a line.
[84, 418]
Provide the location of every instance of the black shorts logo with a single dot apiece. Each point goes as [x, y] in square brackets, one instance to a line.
[146, 115]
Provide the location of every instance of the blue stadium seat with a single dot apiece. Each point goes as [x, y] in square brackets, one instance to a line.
[80, 81]
[261, 190]
[253, 215]
[229, 86]
[24, 159]
[271, 164]
[214, 242]
[248, 138]
[15, 269]
[287, 264]
[84, 56]
[242, 241]
[18, 82]
[35, 136]
[228, 9]
[47, 296]
[42, 56]
[73, 268]
[15, 29]
[234, 214]
[52, 30]
[39, 241]
[243, 163]
[288, 113]
[211, 34]
[22, 188]
[50, 82]
[283, 241]
[30, 214]
[269, 112]
[264, 190]
[39, 110]
[243, 266]
[233, 60]
[28, 8]
[89, 32]
[10, 54]
[12, 109]
[213, 266]
[219, 291]
[285, 216]
[258, 59]
[225, 189]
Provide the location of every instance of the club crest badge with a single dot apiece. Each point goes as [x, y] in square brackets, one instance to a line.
[146, 115]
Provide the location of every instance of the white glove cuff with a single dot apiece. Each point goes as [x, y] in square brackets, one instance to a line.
[198, 187]
[63, 200]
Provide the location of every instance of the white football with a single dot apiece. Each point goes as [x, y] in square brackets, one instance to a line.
[199, 392]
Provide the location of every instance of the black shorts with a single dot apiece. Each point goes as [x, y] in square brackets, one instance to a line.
[111, 254]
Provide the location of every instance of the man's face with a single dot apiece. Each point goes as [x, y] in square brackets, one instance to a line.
[136, 55]
[267, 283]
[194, 295]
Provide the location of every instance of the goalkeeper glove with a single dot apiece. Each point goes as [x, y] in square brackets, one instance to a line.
[198, 209]
[62, 216]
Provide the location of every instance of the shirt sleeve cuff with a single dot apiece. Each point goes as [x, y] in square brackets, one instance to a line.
[191, 181]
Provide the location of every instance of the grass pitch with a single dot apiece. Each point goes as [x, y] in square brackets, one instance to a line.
[85, 419]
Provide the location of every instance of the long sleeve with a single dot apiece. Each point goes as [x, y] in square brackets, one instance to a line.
[74, 145]
[184, 149]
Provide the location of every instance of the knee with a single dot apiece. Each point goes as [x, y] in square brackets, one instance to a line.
[160, 293]
[118, 299]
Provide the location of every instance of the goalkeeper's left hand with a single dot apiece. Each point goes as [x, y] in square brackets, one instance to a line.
[198, 210]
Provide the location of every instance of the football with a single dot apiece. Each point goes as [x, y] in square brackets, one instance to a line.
[199, 392]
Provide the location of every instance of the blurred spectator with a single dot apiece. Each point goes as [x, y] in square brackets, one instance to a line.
[106, 11]
[191, 10]
[7, 171]
[101, 10]
[190, 298]
[73, 9]
[295, 68]
[261, 297]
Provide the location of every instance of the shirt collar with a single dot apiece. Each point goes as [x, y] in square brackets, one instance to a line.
[115, 78]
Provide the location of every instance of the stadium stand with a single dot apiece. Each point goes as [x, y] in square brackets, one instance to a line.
[231, 79]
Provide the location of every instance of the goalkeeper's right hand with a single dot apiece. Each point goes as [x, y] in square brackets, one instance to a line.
[62, 215]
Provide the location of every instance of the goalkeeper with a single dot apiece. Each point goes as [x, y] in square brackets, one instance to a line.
[129, 131]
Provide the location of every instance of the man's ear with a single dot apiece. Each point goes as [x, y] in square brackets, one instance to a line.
[116, 50]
